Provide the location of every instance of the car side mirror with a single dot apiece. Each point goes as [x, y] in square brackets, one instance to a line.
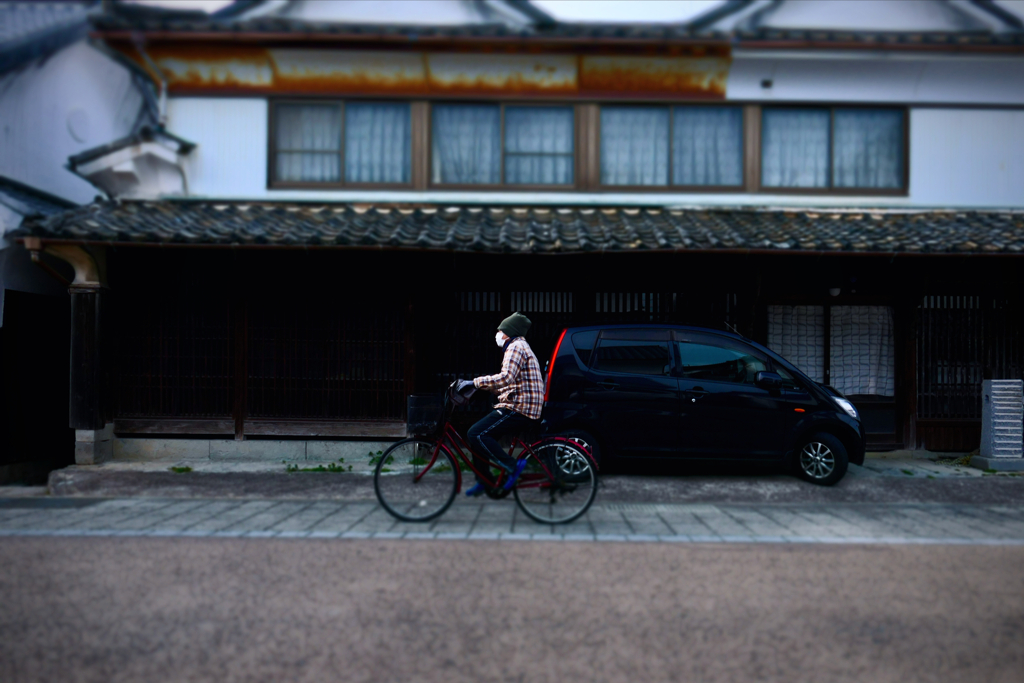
[768, 380]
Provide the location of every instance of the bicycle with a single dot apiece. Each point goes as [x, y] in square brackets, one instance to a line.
[418, 478]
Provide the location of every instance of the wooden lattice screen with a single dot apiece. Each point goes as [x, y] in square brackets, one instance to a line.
[311, 362]
[962, 340]
[177, 357]
[718, 310]
[174, 353]
[186, 348]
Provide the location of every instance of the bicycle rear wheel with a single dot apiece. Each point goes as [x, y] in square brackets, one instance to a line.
[548, 494]
[415, 480]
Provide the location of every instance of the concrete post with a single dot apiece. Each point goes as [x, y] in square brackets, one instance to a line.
[1002, 425]
[93, 446]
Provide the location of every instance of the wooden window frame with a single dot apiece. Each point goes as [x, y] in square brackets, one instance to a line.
[575, 185]
[274, 184]
[743, 186]
[831, 190]
[586, 149]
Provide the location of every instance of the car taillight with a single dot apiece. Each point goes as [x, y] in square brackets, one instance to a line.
[551, 367]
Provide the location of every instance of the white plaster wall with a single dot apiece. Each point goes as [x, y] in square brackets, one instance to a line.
[876, 77]
[408, 12]
[967, 157]
[958, 158]
[870, 15]
[231, 133]
[874, 15]
[54, 108]
[17, 272]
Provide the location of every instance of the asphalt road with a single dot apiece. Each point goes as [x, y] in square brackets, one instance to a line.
[197, 609]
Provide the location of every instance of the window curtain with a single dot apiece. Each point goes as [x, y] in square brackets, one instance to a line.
[868, 148]
[862, 359]
[707, 146]
[538, 145]
[378, 143]
[466, 144]
[795, 147]
[797, 333]
[634, 145]
[308, 142]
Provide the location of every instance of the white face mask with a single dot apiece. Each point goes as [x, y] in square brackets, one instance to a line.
[499, 338]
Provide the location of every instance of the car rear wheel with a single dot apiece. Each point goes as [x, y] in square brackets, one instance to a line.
[587, 441]
[821, 459]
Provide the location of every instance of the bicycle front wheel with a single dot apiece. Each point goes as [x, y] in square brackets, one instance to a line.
[415, 480]
[550, 495]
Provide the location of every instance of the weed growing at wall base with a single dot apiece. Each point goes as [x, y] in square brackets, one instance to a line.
[331, 467]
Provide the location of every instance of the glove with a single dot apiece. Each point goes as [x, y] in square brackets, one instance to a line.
[463, 384]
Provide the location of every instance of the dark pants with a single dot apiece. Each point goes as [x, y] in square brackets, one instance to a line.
[481, 436]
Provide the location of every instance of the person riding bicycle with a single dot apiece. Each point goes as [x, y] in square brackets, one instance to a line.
[520, 391]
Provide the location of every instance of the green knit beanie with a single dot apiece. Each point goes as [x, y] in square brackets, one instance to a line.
[516, 325]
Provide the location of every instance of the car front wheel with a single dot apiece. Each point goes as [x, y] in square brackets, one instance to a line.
[821, 459]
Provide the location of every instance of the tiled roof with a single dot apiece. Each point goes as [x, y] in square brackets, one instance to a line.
[29, 201]
[304, 29]
[210, 27]
[29, 30]
[881, 39]
[534, 229]
[144, 134]
[20, 20]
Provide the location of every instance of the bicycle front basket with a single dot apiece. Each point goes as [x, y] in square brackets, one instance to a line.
[424, 414]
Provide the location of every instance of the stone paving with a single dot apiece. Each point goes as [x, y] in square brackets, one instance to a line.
[928, 523]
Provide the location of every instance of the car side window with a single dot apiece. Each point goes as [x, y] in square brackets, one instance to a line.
[788, 381]
[633, 356]
[583, 342]
[699, 360]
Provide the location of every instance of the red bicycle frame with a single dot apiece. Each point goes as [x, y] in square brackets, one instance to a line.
[453, 444]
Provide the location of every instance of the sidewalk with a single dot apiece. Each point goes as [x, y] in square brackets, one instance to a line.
[900, 477]
[902, 463]
[893, 498]
[894, 463]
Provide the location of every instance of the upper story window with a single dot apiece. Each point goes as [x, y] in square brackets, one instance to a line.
[588, 147]
[692, 146]
[483, 144]
[824, 148]
[342, 143]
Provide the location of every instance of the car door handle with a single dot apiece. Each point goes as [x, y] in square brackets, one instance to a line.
[608, 385]
[694, 394]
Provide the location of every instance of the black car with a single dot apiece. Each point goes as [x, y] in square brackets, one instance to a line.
[691, 393]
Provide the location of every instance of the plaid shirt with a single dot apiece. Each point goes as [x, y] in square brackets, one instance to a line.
[519, 386]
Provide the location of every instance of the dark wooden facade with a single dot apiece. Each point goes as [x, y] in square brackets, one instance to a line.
[34, 433]
[258, 343]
